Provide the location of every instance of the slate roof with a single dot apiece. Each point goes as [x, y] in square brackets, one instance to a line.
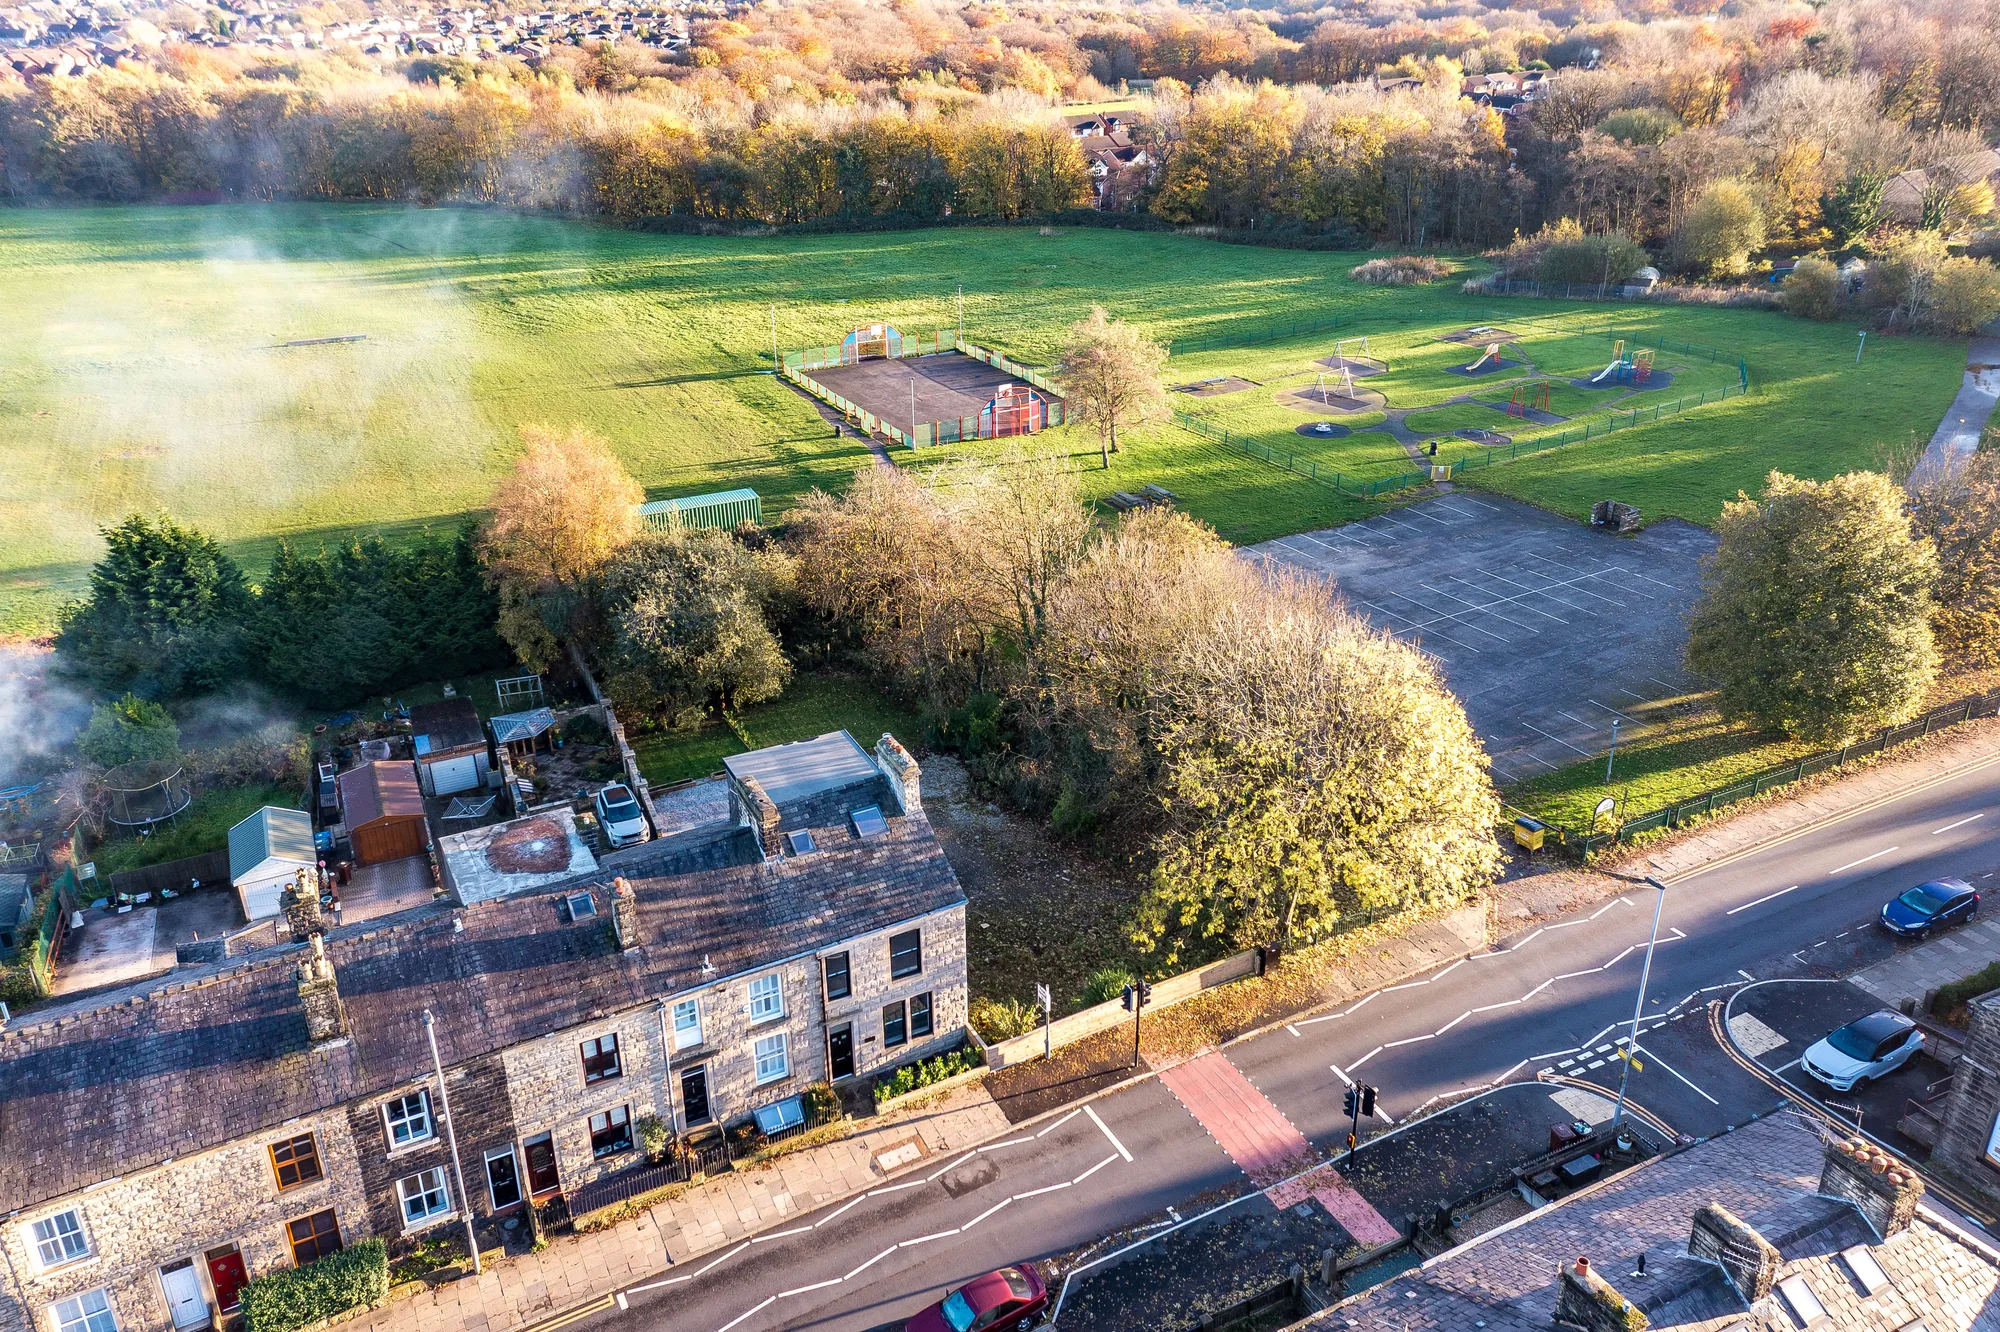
[1765, 1173]
[451, 723]
[100, 1087]
[386, 788]
[284, 834]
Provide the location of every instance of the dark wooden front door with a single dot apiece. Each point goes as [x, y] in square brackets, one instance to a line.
[694, 1095]
[542, 1176]
[840, 1051]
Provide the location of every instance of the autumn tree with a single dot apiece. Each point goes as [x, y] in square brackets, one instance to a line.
[1110, 374]
[687, 618]
[558, 518]
[1812, 290]
[1721, 231]
[1958, 508]
[1815, 611]
[1311, 767]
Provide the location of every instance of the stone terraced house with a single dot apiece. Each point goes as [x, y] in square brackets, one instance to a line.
[164, 1143]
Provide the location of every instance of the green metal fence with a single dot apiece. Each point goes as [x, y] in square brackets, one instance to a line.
[1340, 481]
[1593, 429]
[1705, 804]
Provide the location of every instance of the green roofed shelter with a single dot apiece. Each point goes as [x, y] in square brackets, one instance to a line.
[724, 508]
[265, 851]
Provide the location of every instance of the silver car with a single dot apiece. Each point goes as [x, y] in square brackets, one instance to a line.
[1863, 1049]
[619, 815]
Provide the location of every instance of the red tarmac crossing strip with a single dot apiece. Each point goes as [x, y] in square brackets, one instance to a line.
[1265, 1144]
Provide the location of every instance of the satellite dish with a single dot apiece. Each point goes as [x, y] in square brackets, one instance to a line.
[1604, 806]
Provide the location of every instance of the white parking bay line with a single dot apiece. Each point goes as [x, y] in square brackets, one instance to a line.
[1960, 824]
[1760, 901]
[1865, 859]
[1642, 1050]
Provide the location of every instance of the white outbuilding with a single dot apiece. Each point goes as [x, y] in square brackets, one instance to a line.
[266, 852]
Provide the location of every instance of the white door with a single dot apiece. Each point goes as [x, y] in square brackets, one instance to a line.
[185, 1301]
[451, 776]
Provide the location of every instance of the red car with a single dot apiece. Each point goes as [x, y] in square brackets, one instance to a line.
[997, 1302]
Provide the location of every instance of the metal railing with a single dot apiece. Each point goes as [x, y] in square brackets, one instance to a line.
[798, 363]
[1705, 804]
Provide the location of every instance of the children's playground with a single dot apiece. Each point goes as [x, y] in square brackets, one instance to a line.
[924, 389]
[1409, 395]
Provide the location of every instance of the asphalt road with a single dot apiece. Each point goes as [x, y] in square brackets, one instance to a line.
[1556, 999]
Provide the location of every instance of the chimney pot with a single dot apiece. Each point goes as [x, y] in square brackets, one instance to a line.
[1746, 1257]
[1875, 1182]
[625, 913]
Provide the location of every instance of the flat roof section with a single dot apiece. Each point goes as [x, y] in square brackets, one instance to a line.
[804, 767]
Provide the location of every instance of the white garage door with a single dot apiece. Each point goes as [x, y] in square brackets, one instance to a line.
[454, 775]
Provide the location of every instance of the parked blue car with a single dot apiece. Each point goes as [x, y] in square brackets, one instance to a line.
[1930, 906]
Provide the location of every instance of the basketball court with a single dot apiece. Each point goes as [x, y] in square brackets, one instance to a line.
[1547, 630]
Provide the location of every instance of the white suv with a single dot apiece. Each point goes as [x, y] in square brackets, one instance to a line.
[1863, 1049]
[619, 815]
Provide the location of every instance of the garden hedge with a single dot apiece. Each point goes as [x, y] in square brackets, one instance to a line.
[296, 1297]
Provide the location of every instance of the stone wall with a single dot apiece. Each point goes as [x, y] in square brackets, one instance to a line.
[180, 1210]
[548, 1094]
[481, 1113]
[943, 978]
[729, 1037]
[1973, 1106]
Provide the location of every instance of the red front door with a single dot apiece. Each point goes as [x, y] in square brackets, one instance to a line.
[225, 1273]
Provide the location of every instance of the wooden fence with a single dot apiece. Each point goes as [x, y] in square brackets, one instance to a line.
[211, 867]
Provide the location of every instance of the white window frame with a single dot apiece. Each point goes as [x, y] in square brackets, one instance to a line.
[389, 1120]
[82, 1316]
[767, 998]
[764, 1049]
[693, 1007]
[61, 1237]
[1993, 1143]
[439, 1187]
[520, 1180]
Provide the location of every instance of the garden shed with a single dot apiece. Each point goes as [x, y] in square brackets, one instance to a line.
[723, 508]
[450, 745]
[524, 733]
[383, 807]
[266, 851]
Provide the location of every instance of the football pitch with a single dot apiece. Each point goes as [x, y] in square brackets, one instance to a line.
[320, 371]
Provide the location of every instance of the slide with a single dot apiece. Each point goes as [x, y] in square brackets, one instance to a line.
[1613, 368]
[1492, 350]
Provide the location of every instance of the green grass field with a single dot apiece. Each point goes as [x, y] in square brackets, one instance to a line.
[813, 705]
[142, 370]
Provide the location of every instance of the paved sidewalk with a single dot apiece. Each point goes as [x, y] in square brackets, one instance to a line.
[1957, 436]
[1961, 747]
[574, 1270]
[1914, 974]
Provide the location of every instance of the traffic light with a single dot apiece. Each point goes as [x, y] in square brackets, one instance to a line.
[1367, 1100]
[1347, 1106]
[1126, 995]
[1145, 992]
[1137, 995]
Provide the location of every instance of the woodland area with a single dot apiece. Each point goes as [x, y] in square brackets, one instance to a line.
[1347, 123]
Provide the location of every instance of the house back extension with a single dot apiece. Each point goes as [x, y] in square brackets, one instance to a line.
[162, 1144]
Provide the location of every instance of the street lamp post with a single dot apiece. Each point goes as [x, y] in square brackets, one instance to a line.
[1639, 1005]
[1611, 757]
[451, 1139]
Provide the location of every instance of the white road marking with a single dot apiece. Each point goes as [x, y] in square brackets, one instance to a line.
[1091, 1110]
[769, 1300]
[1342, 1076]
[1865, 859]
[1094, 1169]
[1364, 1058]
[1785, 1068]
[780, 1234]
[1760, 902]
[1746, 975]
[1059, 1123]
[1960, 824]
[1642, 1050]
[621, 1300]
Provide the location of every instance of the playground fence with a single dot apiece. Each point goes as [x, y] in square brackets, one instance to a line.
[1705, 804]
[1346, 485]
[797, 364]
[1592, 429]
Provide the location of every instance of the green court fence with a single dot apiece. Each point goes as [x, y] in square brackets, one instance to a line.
[1340, 481]
[797, 364]
[1705, 804]
[1592, 429]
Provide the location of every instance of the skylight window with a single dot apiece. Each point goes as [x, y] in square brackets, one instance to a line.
[1804, 1306]
[800, 842]
[580, 905]
[869, 823]
[1865, 1269]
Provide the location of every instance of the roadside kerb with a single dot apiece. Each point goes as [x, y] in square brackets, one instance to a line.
[1718, 1023]
[1102, 1017]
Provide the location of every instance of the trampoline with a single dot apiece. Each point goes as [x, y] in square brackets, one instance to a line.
[143, 793]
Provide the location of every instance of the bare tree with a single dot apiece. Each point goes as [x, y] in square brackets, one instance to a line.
[1110, 372]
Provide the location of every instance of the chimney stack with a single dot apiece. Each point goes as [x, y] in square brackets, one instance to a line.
[625, 913]
[302, 912]
[905, 777]
[763, 812]
[1748, 1259]
[319, 995]
[1586, 1300]
[1884, 1189]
